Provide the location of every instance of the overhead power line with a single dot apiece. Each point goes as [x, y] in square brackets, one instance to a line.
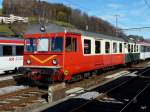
[136, 28]
[146, 2]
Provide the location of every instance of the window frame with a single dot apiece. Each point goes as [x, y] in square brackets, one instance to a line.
[120, 47]
[99, 47]
[48, 49]
[73, 44]
[109, 49]
[90, 48]
[115, 50]
[7, 50]
[17, 50]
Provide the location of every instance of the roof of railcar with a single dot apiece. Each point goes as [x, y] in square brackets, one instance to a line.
[53, 28]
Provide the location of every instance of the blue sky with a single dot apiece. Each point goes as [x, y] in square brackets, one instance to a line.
[132, 13]
[0, 3]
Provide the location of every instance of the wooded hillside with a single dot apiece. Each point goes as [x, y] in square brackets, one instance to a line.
[57, 12]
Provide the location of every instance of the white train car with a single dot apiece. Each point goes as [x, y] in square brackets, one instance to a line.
[11, 53]
[144, 49]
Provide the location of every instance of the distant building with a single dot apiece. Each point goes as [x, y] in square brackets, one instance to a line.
[12, 18]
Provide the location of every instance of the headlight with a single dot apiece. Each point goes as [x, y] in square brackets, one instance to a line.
[28, 61]
[54, 61]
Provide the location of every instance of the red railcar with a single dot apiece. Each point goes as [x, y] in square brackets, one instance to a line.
[69, 55]
[66, 54]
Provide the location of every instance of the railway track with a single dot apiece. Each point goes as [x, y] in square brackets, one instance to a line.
[129, 96]
[111, 97]
[20, 99]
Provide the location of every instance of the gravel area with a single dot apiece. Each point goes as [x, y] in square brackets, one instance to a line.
[11, 89]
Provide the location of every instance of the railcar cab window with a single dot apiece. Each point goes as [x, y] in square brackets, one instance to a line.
[97, 47]
[107, 47]
[56, 44]
[87, 46]
[31, 45]
[71, 44]
[42, 44]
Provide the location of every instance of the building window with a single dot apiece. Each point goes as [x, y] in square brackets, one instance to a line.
[107, 47]
[114, 47]
[71, 44]
[19, 50]
[87, 46]
[7, 50]
[120, 47]
[97, 47]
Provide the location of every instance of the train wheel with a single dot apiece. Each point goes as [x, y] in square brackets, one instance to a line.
[75, 78]
[15, 70]
[94, 73]
[86, 75]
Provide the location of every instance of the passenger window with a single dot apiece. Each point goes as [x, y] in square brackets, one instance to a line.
[114, 47]
[107, 47]
[19, 50]
[97, 47]
[134, 48]
[142, 48]
[137, 48]
[7, 50]
[120, 47]
[126, 45]
[71, 44]
[87, 46]
[131, 48]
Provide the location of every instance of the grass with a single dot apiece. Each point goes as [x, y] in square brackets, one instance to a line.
[4, 29]
[63, 24]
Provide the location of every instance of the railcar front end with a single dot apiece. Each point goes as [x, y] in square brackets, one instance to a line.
[43, 56]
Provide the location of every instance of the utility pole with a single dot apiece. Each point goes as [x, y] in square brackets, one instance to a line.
[116, 16]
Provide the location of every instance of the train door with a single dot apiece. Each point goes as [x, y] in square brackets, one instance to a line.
[98, 52]
[71, 53]
[107, 58]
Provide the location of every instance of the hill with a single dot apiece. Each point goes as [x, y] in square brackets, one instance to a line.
[57, 13]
